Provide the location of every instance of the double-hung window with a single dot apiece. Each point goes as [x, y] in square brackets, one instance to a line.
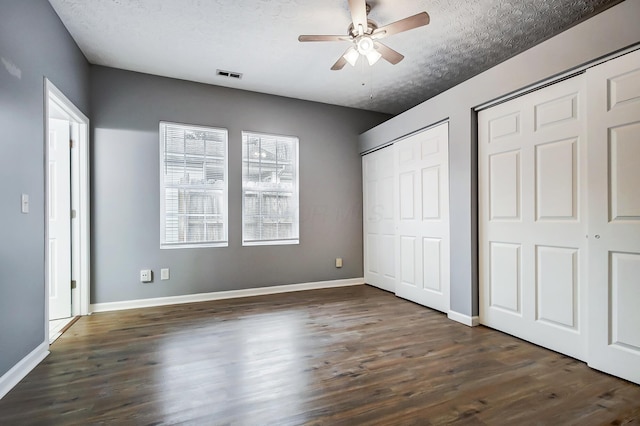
[193, 186]
[269, 189]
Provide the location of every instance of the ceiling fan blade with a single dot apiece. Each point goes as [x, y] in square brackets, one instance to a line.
[323, 38]
[358, 10]
[415, 21]
[388, 54]
[340, 63]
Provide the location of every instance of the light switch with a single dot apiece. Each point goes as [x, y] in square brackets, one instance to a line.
[164, 273]
[25, 203]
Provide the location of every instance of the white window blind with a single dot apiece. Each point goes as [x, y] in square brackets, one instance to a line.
[193, 186]
[269, 189]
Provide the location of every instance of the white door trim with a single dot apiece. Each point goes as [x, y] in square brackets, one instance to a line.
[80, 196]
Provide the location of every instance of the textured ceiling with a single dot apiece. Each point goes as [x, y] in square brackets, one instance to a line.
[191, 39]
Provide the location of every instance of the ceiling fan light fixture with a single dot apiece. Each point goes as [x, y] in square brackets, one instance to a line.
[373, 56]
[365, 45]
[352, 57]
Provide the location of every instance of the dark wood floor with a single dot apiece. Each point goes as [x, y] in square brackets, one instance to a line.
[355, 355]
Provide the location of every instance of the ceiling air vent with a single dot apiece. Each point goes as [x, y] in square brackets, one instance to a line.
[230, 74]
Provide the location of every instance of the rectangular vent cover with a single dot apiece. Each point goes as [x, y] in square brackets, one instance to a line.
[229, 74]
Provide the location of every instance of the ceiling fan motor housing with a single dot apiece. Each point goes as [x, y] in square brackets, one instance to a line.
[371, 27]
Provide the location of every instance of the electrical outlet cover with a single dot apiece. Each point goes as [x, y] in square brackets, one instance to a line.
[145, 275]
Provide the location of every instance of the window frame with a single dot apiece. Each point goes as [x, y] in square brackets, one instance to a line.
[296, 191]
[224, 242]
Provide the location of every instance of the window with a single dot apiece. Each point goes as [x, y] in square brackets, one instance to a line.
[193, 186]
[269, 189]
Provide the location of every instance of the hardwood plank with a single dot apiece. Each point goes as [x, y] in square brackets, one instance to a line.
[354, 355]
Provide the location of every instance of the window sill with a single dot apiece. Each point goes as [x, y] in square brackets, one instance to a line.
[193, 245]
[270, 243]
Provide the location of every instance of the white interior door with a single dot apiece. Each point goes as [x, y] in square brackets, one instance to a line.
[59, 217]
[422, 211]
[379, 219]
[614, 216]
[532, 217]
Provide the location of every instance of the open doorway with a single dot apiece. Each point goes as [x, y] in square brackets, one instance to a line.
[67, 212]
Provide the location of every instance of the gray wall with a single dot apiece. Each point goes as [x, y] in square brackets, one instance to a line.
[607, 32]
[33, 45]
[126, 109]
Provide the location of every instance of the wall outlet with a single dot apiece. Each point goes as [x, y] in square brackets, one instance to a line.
[164, 273]
[146, 275]
[24, 200]
[338, 262]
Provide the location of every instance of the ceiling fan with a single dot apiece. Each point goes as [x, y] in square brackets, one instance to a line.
[364, 34]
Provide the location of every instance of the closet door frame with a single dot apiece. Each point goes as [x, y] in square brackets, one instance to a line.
[611, 216]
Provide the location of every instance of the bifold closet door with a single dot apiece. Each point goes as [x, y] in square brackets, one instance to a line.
[532, 217]
[422, 212]
[379, 218]
[614, 216]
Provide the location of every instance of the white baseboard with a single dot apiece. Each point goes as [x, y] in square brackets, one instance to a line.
[22, 368]
[219, 295]
[464, 319]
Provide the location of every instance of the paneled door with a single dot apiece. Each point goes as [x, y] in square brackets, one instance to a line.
[532, 217]
[379, 219]
[59, 219]
[614, 216]
[422, 211]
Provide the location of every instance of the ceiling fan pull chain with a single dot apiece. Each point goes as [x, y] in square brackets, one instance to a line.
[371, 71]
[367, 74]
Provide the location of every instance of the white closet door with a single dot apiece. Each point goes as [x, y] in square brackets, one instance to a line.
[379, 219]
[614, 216]
[422, 211]
[532, 224]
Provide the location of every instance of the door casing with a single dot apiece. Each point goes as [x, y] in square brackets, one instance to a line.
[80, 201]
